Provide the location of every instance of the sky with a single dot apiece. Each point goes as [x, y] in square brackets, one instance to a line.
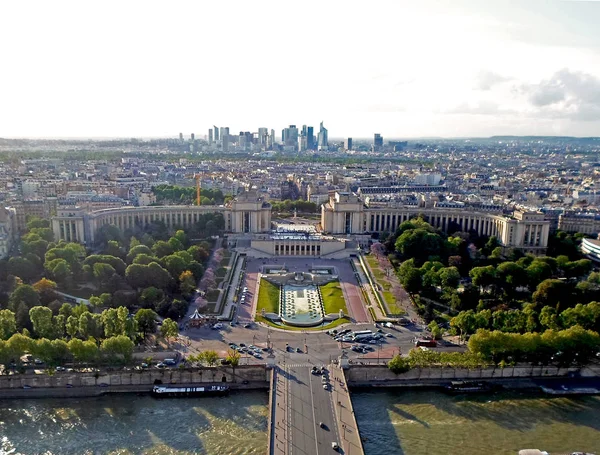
[404, 69]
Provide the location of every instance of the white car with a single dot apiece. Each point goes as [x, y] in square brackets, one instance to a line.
[335, 446]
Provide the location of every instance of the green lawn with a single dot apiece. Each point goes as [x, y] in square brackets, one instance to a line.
[333, 298]
[268, 298]
[390, 300]
[378, 274]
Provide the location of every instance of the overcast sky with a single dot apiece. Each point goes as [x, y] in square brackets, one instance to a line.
[401, 68]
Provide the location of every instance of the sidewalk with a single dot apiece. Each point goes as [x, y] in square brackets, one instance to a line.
[347, 426]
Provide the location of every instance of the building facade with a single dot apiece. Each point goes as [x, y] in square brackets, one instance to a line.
[347, 214]
[245, 214]
[7, 230]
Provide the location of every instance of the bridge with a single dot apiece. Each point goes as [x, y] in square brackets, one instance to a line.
[306, 417]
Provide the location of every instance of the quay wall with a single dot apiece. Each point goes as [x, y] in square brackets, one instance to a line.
[381, 374]
[78, 384]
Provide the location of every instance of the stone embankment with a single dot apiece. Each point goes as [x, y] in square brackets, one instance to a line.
[379, 375]
[80, 384]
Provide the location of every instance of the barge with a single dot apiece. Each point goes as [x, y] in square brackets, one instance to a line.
[161, 391]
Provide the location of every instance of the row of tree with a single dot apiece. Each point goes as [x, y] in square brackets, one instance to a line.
[78, 322]
[171, 194]
[290, 206]
[565, 347]
[528, 319]
[113, 350]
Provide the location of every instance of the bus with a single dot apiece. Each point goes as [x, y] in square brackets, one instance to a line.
[361, 335]
[426, 342]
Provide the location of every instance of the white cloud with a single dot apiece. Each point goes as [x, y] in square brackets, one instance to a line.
[569, 94]
[485, 80]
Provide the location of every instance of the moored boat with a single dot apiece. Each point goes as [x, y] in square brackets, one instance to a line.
[173, 391]
[542, 452]
[470, 387]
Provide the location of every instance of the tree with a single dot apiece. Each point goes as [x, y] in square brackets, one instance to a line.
[483, 277]
[59, 269]
[137, 250]
[410, 277]
[175, 244]
[72, 326]
[41, 318]
[233, 358]
[435, 329]
[103, 272]
[146, 321]
[19, 344]
[83, 351]
[34, 222]
[162, 248]
[551, 293]
[210, 357]
[187, 283]
[182, 237]
[21, 267]
[117, 349]
[175, 265]
[419, 244]
[112, 323]
[465, 322]
[169, 329]
[537, 272]
[449, 277]
[398, 364]
[8, 324]
[150, 297]
[46, 289]
[114, 249]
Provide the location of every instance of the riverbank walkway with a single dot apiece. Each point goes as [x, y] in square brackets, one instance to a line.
[309, 413]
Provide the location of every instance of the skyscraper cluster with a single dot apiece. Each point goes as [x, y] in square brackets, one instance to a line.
[292, 139]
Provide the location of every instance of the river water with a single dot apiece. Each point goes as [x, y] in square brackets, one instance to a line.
[392, 422]
[130, 424]
[426, 422]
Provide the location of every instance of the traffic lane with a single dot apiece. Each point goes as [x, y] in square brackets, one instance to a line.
[323, 400]
[302, 431]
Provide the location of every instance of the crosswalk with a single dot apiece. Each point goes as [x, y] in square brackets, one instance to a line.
[296, 365]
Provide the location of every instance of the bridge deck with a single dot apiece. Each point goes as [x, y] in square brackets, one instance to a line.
[300, 404]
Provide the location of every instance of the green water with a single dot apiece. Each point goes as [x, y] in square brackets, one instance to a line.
[129, 424]
[432, 423]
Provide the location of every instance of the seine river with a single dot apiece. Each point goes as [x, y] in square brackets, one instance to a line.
[130, 424]
[432, 423]
[398, 423]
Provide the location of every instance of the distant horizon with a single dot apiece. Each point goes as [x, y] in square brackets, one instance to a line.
[331, 139]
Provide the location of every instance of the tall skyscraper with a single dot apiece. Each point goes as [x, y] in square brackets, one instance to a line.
[310, 138]
[262, 137]
[377, 142]
[302, 142]
[216, 133]
[292, 136]
[348, 144]
[322, 138]
[210, 136]
[180, 137]
[224, 133]
[192, 137]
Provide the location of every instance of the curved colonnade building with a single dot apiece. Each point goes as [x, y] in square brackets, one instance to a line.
[246, 214]
[346, 214]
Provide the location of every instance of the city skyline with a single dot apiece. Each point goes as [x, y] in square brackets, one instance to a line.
[403, 69]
